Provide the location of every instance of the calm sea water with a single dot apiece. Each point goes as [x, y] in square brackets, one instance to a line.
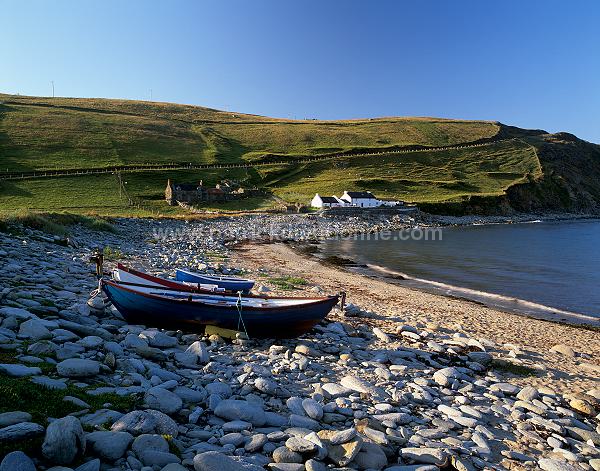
[550, 269]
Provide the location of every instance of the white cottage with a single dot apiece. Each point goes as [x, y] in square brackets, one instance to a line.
[326, 202]
[361, 199]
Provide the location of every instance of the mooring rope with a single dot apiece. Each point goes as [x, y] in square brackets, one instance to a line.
[98, 292]
[241, 319]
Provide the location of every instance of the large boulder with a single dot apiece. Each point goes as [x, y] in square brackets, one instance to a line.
[174, 467]
[42, 348]
[64, 441]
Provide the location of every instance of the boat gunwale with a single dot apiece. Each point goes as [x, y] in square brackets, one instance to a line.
[179, 285]
[191, 289]
[311, 301]
[230, 279]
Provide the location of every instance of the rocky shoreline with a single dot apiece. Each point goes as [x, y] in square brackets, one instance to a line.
[517, 218]
[364, 390]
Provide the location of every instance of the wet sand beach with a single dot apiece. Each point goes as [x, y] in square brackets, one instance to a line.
[520, 339]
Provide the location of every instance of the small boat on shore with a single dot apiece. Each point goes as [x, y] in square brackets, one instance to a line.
[261, 317]
[229, 283]
[133, 277]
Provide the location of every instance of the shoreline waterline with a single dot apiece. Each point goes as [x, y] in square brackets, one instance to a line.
[535, 311]
[530, 270]
[500, 302]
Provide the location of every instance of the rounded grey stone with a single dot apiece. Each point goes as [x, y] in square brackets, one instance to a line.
[215, 461]
[300, 445]
[163, 400]
[285, 455]
[93, 465]
[149, 442]
[136, 422]
[256, 442]
[20, 431]
[235, 439]
[232, 409]
[78, 368]
[64, 441]
[313, 409]
[12, 418]
[17, 461]
[109, 445]
[343, 436]
[158, 458]
[314, 465]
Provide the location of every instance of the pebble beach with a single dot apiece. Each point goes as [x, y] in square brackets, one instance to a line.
[398, 380]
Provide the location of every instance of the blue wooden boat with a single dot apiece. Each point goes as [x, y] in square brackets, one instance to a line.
[129, 275]
[261, 317]
[229, 283]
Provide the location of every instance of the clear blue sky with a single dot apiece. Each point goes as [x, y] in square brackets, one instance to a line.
[533, 64]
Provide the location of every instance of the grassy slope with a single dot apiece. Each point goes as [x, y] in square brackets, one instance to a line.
[417, 177]
[38, 133]
[45, 133]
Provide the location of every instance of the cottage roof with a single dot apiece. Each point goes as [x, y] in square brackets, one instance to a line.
[360, 194]
[329, 199]
[186, 186]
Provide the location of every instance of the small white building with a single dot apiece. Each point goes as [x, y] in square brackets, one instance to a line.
[360, 199]
[326, 202]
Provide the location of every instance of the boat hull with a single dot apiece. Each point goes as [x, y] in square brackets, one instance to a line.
[275, 322]
[227, 283]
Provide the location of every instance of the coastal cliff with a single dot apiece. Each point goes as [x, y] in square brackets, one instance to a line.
[568, 183]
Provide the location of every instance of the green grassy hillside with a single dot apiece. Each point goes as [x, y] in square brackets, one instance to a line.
[62, 133]
[40, 134]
